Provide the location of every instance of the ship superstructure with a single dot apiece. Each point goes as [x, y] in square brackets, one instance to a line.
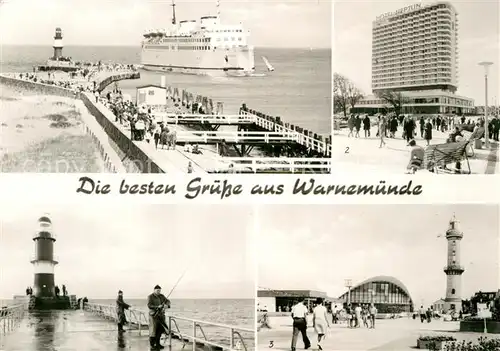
[206, 46]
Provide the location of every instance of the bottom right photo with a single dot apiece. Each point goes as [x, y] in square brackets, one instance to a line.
[379, 277]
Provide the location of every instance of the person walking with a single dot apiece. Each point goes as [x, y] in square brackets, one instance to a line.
[381, 130]
[373, 314]
[320, 321]
[357, 313]
[350, 125]
[299, 315]
[422, 126]
[335, 312]
[428, 132]
[366, 126]
[357, 125]
[422, 313]
[121, 306]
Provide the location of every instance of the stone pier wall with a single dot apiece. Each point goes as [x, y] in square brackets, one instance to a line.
[105, 118]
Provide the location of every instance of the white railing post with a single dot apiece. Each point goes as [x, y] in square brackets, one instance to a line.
[170, 332]
[194, 336]
[231, 338]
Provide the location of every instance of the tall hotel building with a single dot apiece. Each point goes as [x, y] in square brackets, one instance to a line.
[415, 52]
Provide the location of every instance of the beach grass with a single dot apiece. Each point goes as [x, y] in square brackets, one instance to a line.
[65, 153]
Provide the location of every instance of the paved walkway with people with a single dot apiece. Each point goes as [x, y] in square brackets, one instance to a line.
[388, 335]
[364, 155]
[73, 331]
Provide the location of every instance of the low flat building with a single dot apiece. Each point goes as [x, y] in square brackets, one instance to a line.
[283, 300]
[151, 95]
[420, 102]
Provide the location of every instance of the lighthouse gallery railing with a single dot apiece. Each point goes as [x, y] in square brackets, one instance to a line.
[11, 317]
[140, 320]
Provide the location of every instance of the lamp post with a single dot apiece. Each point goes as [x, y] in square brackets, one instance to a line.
[348, 285]
[486, 65]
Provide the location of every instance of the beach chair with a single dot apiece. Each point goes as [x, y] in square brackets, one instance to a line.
[438, 156]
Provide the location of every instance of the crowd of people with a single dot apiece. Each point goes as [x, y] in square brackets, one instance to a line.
[71, 81]
[84, 77]
[141, 121]
[412, 126]
[57, 291]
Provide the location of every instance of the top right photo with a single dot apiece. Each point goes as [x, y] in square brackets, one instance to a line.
[416, 87]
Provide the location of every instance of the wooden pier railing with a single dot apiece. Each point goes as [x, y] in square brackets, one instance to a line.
[294, 165]
[187, 330]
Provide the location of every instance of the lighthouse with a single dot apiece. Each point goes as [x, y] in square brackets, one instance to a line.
[453, 269]
[43, 262]
[58, 44]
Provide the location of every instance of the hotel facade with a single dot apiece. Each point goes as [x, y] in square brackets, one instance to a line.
[415, 52]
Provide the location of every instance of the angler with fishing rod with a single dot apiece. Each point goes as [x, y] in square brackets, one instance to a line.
[157, 302]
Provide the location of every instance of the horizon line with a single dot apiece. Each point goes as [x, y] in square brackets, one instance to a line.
[141, 298]
[138, 46]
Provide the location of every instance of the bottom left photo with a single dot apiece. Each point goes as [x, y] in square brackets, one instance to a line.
[146, 277]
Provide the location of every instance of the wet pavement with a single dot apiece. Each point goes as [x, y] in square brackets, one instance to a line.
[71, 331]
[389, 335]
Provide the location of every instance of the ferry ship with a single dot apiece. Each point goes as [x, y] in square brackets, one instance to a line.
[206, 47]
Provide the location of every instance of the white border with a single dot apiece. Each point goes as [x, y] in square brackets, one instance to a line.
[61, 188]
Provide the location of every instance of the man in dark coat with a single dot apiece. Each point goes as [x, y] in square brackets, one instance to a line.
[157, 303]
[366, 126]
[121, 306]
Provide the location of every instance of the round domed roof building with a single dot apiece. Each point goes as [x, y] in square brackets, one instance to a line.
[388, 294]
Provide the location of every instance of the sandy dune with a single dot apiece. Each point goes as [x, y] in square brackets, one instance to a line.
[43, 134]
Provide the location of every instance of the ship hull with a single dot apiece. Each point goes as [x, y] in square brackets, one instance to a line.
[216, 62]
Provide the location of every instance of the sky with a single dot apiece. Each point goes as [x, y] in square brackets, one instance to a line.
[103, 249]
[324, 245]
[478, 40]
[273, 23]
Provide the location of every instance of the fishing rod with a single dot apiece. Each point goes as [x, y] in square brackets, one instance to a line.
[160, 308]
[177, 283]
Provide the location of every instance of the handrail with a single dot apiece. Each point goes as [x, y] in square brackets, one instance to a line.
[204, 137]
[294, 164]
[11, 317]
[139, 319]
[305, 140]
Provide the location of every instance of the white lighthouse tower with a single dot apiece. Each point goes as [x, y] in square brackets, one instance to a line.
[43, 261]
[58, 44]
[453, 269]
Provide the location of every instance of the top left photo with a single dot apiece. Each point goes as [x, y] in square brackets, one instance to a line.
[172, 86]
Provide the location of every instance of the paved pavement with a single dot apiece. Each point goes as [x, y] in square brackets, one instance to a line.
[73, 331]
[364, 155]
[389, 335]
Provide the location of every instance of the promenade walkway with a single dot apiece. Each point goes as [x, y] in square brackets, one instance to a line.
[389, 335]
[364, 155]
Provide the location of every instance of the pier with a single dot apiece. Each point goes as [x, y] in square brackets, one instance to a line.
[287, 148]
[94, 329]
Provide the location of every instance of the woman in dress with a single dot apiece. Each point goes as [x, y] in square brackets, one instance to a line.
[320, 321]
